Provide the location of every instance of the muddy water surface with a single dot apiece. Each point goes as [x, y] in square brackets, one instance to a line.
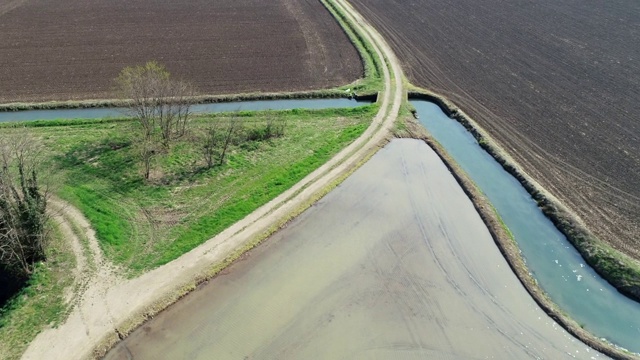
[394, 263]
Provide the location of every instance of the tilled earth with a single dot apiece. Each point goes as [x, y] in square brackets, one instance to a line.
[554, 81]
[73, 49]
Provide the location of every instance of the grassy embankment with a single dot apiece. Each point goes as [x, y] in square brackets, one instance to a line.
[143, 225]
[372, 81]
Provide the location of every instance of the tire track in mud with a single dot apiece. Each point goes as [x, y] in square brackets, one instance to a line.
[419, 216]
[437, 223]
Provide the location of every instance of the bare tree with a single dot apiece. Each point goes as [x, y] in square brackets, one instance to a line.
[143, 86]
[232, 129]
[23, 205]
[161, 105]
[210, 143]
[177, 110]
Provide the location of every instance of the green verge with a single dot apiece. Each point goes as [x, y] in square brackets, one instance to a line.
[41, 303]
[143, 225]
[372, 82]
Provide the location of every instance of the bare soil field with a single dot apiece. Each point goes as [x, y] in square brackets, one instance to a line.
[73, 49]
[555, 82]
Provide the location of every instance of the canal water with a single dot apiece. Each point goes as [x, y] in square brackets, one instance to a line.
[99, 113]
[558, 267]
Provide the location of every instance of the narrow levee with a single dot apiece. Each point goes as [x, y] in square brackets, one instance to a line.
[394, 263]
[560, 270]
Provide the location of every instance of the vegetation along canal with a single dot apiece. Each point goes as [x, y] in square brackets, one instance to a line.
[554, 262]
[98, 113]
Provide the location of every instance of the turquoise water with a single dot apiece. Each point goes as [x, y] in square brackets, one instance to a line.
[558, 267]
[98, 113]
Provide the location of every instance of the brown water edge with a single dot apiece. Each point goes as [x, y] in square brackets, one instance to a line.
[393, 262]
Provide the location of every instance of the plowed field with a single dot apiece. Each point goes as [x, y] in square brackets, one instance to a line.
[556, 82]
[395, 263]
[73, 49]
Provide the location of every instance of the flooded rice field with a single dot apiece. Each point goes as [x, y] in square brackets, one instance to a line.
[394, 263]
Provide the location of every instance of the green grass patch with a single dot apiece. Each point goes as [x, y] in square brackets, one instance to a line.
[141, 225]
[41, 303]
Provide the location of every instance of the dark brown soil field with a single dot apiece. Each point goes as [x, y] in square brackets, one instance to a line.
[555, 82]
[73, 49]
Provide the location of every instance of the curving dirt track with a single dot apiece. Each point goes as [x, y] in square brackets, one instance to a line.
[73, 49]
[555, 82]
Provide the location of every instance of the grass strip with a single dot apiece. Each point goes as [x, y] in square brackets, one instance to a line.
[144, 225]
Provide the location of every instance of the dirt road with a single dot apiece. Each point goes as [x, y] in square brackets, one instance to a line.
[108, 308]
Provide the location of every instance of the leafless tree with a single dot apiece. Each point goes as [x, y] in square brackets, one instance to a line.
[210, 143]
[232, 128]
[161, 105]
[23, 205]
